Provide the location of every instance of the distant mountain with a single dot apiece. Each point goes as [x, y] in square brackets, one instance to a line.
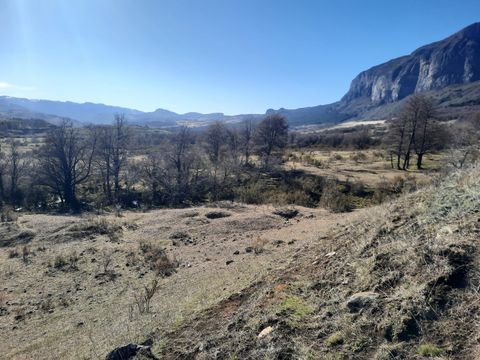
[448, 70]
[90, 113]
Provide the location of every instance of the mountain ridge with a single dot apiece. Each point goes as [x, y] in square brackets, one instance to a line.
[377, 91]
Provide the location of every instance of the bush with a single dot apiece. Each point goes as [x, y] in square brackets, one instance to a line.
[335, 339]
[143, 300]
[429, 350]
[250, 194]
[8, 216]
[358, 157]
[333, 199]
[157, 259]
[13, 253]
[258, 245]
[99, 226]
[59, 262]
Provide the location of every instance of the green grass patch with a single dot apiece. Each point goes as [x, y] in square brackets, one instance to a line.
[429, 350]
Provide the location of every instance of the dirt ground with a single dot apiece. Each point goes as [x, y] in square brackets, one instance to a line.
[78, 312]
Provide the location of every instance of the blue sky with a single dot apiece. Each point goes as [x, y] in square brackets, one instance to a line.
[233, 56]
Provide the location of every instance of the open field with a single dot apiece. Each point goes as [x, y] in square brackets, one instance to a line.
[371, 167]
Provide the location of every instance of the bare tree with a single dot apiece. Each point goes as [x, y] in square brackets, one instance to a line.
[16, 164]
[112, 150]
[120, 147]
[215, 142]
[66, 162]
[412, 132]
[179, 159]
[3, 166]
[271, 134]
[246, 139]
[464, 147]
[426, 130]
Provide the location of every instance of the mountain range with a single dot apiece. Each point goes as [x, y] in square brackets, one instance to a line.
[447, 70]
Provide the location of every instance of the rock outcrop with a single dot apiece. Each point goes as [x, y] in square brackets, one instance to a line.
[455, 60]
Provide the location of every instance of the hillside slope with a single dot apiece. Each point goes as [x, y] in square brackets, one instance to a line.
[401, 282]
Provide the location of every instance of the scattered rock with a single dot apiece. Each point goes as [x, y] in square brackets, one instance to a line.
[361, 300]
[277, 243]
[286, 213]
[180, 237]
[265, 332]
[291, 242]
[249, 249]
[236, 253]
[228, 262]
[130, 352]
[217, 214]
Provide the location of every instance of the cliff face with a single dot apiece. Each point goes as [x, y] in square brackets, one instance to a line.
[455, 60]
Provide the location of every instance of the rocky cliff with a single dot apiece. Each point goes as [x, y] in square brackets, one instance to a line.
[455, 60]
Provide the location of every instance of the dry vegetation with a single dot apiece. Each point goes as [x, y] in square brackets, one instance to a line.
[395, 281]
[400, 281]
[316, 252]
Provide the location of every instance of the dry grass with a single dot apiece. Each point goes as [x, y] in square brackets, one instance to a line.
[418, 254]
[417, 258]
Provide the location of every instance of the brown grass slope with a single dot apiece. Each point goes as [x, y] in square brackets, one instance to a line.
[401, 282]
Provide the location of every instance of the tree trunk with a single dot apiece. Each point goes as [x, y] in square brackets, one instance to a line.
[419, 161]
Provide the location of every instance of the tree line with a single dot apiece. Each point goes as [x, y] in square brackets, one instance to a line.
[98, 165]
[91, 167]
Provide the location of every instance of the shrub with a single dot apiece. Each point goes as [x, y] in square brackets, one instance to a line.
[250, 194]
[99, 226]
[335, 157]
[158, 260]
[8, 216]
[429, 350]
[59, 262]
[143, 300]
[13, 253]
[106, 261]
[26, 253]
[259, 245]
[358, 157]
[333, 199]
[335, 339]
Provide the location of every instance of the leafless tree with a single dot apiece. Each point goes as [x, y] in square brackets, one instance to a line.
[3, 166]
[215, 146]
[66, 162]
[464, 147]
[112, 154]
[16, 165]
[271, 134]
[246, 139]
[426, 130]
[412, 132]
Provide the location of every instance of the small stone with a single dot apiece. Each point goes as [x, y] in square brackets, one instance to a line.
[236, 253]
[265, 332]
[228, 262]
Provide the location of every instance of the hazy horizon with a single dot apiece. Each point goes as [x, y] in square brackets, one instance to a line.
[213, 56]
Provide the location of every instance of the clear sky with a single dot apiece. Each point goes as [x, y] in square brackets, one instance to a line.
[232, 56]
